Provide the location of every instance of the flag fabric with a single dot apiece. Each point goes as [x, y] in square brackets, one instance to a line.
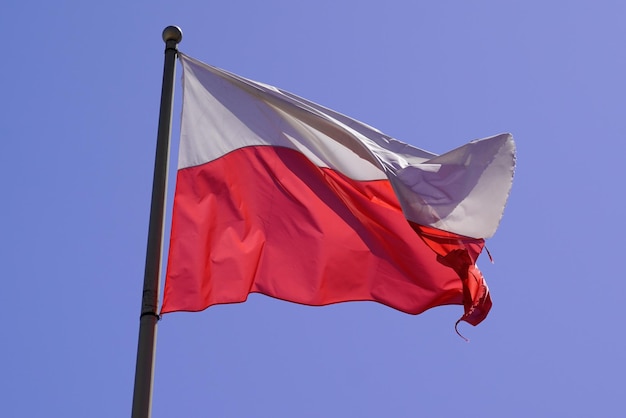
[281, 196]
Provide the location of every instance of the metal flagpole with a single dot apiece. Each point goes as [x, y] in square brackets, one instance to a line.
[144, 371]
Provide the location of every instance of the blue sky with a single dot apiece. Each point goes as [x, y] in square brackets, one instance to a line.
[80, 89]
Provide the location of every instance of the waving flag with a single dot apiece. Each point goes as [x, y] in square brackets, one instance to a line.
[281, 196]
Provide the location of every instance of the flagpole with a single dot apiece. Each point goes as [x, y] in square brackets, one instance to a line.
[144, 371]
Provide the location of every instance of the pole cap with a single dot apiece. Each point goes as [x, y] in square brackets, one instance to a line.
[172, 33]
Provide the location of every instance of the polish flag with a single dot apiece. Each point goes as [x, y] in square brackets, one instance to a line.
[281, 196]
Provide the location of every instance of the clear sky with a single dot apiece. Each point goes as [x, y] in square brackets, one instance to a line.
[80, 85]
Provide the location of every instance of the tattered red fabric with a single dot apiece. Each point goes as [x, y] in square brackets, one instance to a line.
[460, 254]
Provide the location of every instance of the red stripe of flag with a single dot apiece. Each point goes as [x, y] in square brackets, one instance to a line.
[265, 219]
